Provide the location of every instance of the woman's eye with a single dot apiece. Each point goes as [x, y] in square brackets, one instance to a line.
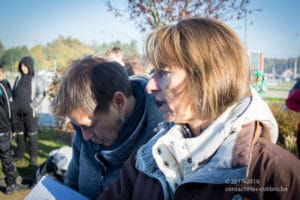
[162, 73]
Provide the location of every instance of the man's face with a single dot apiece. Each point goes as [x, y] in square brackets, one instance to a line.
[101, 128]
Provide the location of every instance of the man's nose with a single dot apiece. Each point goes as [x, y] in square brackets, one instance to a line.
[86, 133]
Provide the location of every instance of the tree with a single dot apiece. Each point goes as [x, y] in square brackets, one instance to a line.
[1, 48]
[60, 53]
[63, 50]
[155, 13]
[13, 55]
[37, 53]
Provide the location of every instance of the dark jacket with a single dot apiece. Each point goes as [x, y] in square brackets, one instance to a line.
[94, 166]
[28, 90]
[273, 174]
[5, 106]
[128, 69]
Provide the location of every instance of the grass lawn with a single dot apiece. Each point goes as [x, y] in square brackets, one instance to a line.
[275, 100]
[49, 139]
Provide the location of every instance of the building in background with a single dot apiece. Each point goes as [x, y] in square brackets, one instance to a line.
[257, 61]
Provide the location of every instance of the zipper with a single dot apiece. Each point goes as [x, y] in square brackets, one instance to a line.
[8, 101]
[101, 183]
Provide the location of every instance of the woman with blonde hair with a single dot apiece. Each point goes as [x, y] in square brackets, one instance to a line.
[218, 137]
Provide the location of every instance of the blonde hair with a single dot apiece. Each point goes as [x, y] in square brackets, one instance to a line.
[214, 58]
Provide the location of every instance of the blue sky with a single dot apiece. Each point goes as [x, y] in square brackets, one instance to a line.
[275, 30]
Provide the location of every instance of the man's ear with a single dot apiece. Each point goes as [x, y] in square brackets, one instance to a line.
[119, 101]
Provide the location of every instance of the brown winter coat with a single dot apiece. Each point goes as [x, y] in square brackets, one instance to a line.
[273, 174]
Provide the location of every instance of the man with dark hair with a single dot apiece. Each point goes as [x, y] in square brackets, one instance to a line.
[112, 115]
[29, 92]
[6, 153]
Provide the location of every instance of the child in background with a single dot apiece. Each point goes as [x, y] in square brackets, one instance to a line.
[260, 84]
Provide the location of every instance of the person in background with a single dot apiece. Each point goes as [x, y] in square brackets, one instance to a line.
[260, 84]
[112, 115]
[293, 103]
[136, 66]
[28, 93]
[116, 54]
[6, 119]
[218, 137]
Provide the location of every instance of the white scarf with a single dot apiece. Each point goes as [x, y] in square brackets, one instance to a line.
[178, 157]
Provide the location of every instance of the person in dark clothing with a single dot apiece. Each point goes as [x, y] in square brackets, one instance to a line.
[6, 153]
[128, 69]
[28, 93]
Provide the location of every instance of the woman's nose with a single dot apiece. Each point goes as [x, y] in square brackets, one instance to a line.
[152, 85]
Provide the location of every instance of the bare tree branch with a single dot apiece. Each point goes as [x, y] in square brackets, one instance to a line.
[151, 14]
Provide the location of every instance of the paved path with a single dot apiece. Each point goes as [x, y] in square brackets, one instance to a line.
[45, 116]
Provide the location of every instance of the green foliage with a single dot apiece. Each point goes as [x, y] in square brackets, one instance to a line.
[1, 48]
[58, 54]
[287, 123]
[63, 50]
[38, 54]
[13, 55]
[274, 100]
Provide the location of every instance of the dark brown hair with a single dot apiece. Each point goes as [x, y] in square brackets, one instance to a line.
[89, 83]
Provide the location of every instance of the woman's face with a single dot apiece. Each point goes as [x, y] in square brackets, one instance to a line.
[24, 69]
[168, 85]
[259, 79]
[101, 128]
